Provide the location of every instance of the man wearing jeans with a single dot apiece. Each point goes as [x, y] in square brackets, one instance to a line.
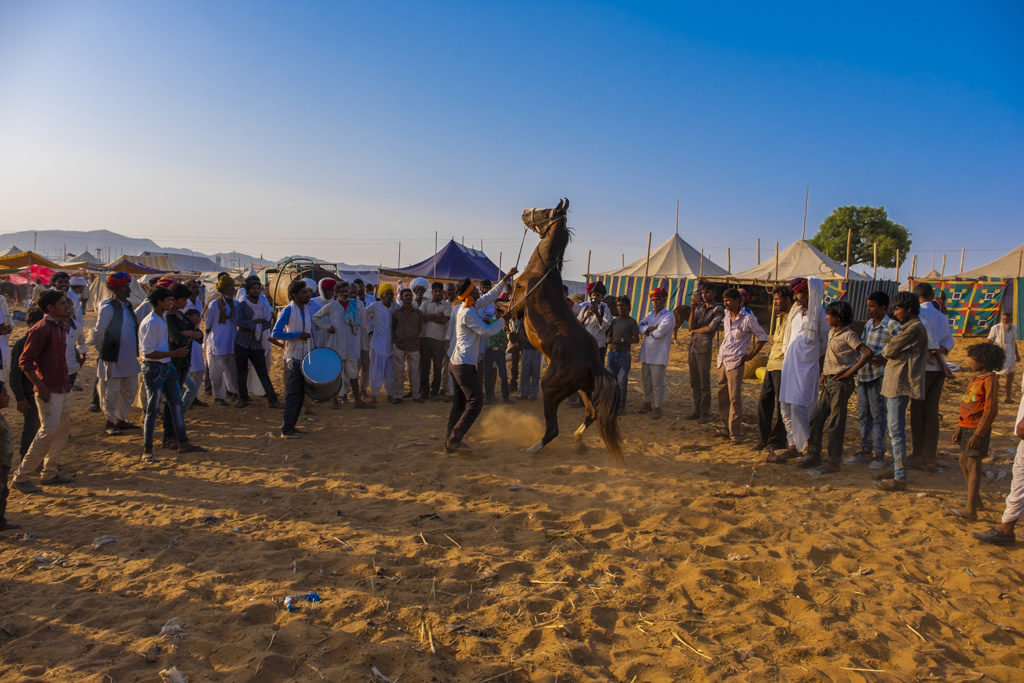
[44, 362]
[771, 427]
[878, 331]
[160, 375]
[903, 381]
[623, 332]
[183, 334]
[705, 319]
[295, 328]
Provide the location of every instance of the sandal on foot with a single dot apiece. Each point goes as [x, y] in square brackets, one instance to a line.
[149, 459]
[995, 537]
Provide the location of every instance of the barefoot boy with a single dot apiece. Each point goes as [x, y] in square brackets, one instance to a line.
[979, 407]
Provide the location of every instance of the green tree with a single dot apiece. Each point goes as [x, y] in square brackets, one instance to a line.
[870, 225]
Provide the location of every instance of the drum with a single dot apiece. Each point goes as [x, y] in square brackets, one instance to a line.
[321, 369]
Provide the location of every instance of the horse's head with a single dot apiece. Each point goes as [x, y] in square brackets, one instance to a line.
[541, 221]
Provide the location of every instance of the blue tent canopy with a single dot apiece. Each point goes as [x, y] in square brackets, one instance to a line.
[454, 262]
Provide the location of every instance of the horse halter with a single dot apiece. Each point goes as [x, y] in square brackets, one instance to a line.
[536, 225]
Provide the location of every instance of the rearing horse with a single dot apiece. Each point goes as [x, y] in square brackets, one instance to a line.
[574, 363]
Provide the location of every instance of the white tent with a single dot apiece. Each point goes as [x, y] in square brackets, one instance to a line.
[98, 293]
[675, 258]
[11, 251]
[800, 259]
[1010, 264]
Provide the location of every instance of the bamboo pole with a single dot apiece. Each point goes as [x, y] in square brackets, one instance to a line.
[963, 253]
[588, 263]
[942, 273]
[875, 248]
[677, 216]
[897, 266]
[728, 259]
[758, 251]
[776, 261]
[399, 255]
[1020, 261]
[701, 273]
[499, 265]
[849, 243]
[623, 260]
[647, 267]
[435, 254]
[807, 196]
[913, 267]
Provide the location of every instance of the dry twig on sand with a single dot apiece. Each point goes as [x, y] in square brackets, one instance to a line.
[691, 647]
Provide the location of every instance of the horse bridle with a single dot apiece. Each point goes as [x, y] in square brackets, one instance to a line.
[548, 221]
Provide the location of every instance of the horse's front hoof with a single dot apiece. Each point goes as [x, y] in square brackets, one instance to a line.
[534, 449]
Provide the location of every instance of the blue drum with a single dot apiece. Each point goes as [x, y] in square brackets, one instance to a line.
[321, 368]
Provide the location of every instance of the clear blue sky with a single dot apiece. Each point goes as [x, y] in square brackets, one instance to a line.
[340, 129]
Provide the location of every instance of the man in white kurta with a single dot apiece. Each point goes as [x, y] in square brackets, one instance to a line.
[808, 337]
[378, 318]
[341, 325]
[115, 338]
[656, 331]
[221, 330]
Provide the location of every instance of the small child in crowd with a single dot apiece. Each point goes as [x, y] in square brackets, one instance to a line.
[622, 334]
[979, 407]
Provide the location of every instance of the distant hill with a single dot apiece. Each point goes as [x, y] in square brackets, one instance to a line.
[107, 246]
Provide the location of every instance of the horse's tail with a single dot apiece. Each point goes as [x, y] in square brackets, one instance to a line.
[605, 402]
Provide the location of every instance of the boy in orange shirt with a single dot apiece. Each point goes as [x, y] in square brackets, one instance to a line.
[978, 410]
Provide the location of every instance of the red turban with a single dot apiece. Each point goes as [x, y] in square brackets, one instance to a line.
[116, 280]
[798, 284]
[658, 292]
[165, 282]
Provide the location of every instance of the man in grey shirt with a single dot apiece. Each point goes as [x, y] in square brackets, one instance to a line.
[705, 319]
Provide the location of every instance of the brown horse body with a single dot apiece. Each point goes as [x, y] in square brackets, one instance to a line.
[574, 362]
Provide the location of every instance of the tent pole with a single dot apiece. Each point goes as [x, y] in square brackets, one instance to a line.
[677, 221]
[875, 248]
[897, 266]
[588, 263]
[776, 261]
[758, 251]
[499, 265]
[728, 259]
[399, 255]
[963, 252]
[849, 243]
[913, 267]
[1020, 261]
[807, 196]
[701, 274]
[647, 267]
[435, 254]
[623, 260]
[943, 273]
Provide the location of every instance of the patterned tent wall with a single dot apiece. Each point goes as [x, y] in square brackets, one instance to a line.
[856, 293]
[1018, 305]
[972, 306]
[638, 289]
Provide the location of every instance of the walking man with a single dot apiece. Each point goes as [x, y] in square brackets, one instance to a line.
[44, 362]
[116, 339]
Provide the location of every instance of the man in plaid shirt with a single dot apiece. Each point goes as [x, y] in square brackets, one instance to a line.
[878, 331]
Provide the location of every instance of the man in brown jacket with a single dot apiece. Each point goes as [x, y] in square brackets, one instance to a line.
[904, 381]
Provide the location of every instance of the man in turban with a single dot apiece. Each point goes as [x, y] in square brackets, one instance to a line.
[378, 320]
[221, 331]
[706, 316]
[656, 331]
[116, 340]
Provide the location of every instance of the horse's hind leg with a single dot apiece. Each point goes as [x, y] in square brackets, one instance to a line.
[587, 421]
[553, 396]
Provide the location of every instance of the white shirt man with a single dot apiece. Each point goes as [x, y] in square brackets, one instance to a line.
[656, 331]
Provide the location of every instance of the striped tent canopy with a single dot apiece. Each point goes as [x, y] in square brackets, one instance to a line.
[638, 289]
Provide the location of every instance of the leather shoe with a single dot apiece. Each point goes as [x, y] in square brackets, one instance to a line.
[26, 487]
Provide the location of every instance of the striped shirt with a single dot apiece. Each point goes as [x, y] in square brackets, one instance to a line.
[876, 336]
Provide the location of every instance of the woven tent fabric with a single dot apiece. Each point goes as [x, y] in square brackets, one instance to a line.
[972, 306]
[1018, 305]
[1009, 265]
[673, 259]
[638, 289]
[453, 262]
[856, 292]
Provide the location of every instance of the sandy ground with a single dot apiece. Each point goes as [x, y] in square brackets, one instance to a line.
[698, 561]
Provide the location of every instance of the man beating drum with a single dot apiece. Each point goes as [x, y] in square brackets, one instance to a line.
[470, 332]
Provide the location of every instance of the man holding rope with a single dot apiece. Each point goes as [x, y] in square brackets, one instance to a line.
[470, 329]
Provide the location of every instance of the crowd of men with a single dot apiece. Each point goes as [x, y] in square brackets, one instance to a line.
[454, 345]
